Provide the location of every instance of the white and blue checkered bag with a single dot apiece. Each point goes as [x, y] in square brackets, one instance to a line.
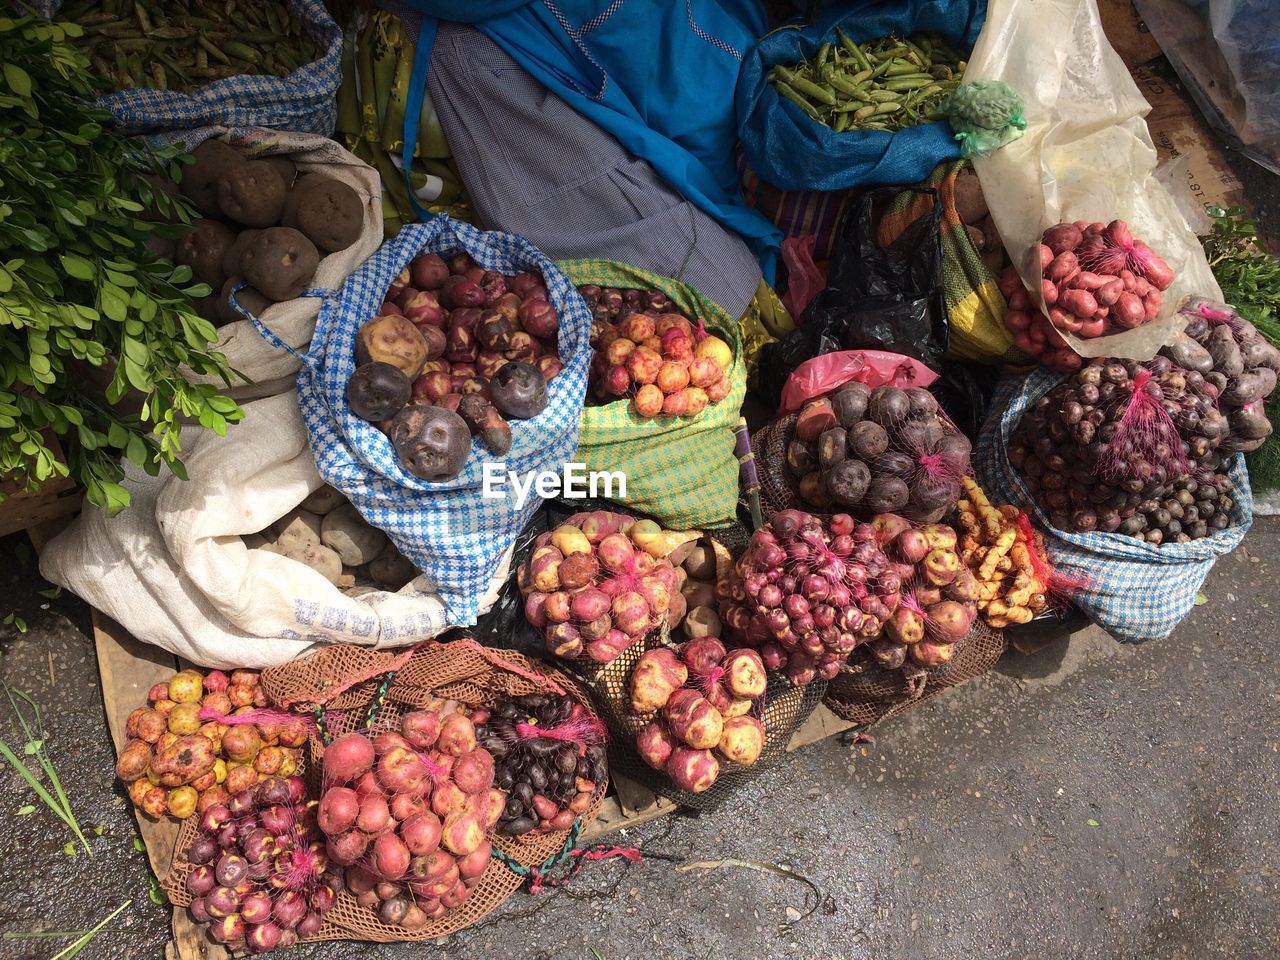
[452, 534]
[1136, 591]
[305, 101]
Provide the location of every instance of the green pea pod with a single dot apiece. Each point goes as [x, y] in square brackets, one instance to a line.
[212, 50]
[861, 76]
[862, 113]
[850, 106]
[812, 90]
[880, 96]
[901, 85]
[841, 123]
[916, 54]
[158, 75]
[790, 93]
[892, 106]
[845, 85]
[242, 50]
[854, 51]
[824, 54]
[880, 68]
[894, 52]
[171, 33]
[144, 21]
[900, 68]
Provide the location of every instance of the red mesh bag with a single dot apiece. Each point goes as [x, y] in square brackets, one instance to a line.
[341, 687]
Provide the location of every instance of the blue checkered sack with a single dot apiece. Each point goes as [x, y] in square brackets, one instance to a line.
[451, 533]
[305, 101]
[1137, 591]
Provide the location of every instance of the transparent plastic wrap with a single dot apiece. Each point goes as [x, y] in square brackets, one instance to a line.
[1086, 155]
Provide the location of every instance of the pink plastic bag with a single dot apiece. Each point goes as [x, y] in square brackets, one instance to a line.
[875, 368]
[805, 279]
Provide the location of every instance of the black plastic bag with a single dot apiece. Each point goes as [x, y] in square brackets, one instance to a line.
[877, 298]
[964, 391]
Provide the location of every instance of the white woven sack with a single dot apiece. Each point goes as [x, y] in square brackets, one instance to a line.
[270, 369]
[173, 570]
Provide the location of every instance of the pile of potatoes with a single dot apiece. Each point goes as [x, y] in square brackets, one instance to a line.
[701, 699]
[700, 565]
[178, 762]
[263, 223]
[328, 534]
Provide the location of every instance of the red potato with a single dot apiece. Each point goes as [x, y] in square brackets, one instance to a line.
[423, 309]
[338, 810]
[655, 744]
[538, 317]
[457, 736]
[656, 676]
[718, 390]
[347, 758]
[1079, 302]
[744, 674]
[427, 272]
[1064, 267]
[391, 339]
[390, 859]
[1129, 311]
[693, 719]
[648, 401]
[1049, 291]
[643, 365]
[692, 770]
[550, 367]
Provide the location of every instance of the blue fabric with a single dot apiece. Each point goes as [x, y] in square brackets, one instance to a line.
[659, 77]
[453, 535]
[786, 148]
[1137, 591]
[305, 101]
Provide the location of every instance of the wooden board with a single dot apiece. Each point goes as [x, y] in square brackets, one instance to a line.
[128, 668]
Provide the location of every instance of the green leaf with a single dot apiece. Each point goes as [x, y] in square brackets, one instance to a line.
[26, 809]
[77, 266]
[155, 892]
[18, 79]
[114, 304]
[138, 845]
[136, 451]
[1201, 599]
[1091, 822]
[69, 849]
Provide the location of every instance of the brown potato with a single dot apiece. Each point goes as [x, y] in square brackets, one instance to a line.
[280, 262]
[328, 211]
[252, 194]
[249, 298]
[199, 182]
[203, 249]
[231, 260]
[392, 339]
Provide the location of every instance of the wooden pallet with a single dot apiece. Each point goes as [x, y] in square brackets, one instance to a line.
[55, 500]
[128, 669]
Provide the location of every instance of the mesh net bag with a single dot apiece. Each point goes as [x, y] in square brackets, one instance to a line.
[866, 693]
[778, 491]
[338, 685]
[782, 710]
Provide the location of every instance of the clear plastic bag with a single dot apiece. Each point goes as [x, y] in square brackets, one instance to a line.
[1086, 154]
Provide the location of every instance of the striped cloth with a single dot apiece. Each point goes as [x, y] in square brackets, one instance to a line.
[798, 213]
[452, 534]
[975, 306]
[680, 470]
[1137, 591]
[305, 101]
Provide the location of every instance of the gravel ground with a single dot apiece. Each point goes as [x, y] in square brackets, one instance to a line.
[1124, 800]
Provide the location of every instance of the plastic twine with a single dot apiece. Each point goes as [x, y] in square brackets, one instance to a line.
[538, 876]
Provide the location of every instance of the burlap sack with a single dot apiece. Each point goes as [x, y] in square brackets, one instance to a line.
[270, 369]
[173, 570]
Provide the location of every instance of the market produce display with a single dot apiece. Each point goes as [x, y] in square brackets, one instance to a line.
[408, 812]
[328, 535]
[265, 228]
[700, 565]
[202, 739]
[455, 352]
[702, 698]
[808, 590]
[181, 46]
[883, 84]
[549, 759]
[99, 335]
[1097, 279]
[938, 599]
[260, 877]
[645, 350]
[598, 583]
[1130, 448]
[1005, 555]
[881, 450]
[1238, 362]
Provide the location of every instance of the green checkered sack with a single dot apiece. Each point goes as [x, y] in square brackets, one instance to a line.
[680, 470]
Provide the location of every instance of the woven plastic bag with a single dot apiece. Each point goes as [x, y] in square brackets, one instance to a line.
[975, 306]
[269, 369]
[344, 682]
[789, 150]
[680, 470]
[1086, 155]
[451, 532]
[1135, 590]
[304, 101]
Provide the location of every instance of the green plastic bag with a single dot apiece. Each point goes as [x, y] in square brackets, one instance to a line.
[680, 470]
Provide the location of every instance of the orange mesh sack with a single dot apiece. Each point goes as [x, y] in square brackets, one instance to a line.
[343, 688]
[866, 693]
